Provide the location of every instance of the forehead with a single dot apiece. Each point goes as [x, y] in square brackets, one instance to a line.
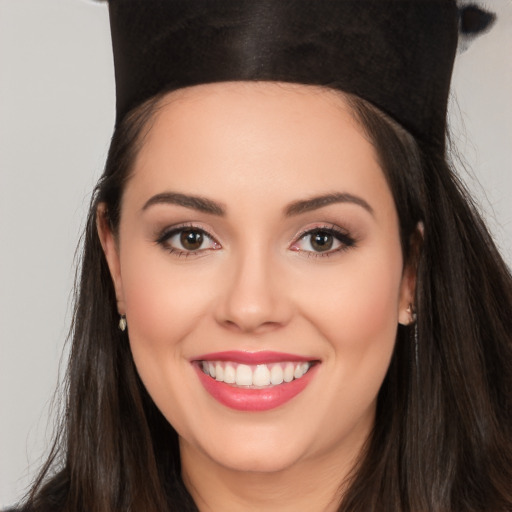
[274, 139]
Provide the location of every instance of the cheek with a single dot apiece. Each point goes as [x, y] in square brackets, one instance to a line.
[357, 310]
[357, 316]
[163, 302]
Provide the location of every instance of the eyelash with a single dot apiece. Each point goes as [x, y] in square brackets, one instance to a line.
[167, 235]
[345, 240]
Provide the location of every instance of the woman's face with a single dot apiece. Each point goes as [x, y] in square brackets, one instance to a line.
[259, 266]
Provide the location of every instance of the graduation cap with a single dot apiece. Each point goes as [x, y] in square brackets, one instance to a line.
[396, 54]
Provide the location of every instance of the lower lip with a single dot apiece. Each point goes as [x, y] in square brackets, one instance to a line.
[247, 399]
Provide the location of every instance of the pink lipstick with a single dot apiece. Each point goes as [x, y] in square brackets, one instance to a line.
[254, 381]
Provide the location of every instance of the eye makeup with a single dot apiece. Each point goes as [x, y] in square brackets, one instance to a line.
[187, 240]
[319, 241]
[323, 241]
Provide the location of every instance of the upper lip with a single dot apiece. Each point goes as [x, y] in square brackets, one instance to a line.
[259, 357]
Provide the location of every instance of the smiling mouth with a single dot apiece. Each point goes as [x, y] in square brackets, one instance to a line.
[258, 376]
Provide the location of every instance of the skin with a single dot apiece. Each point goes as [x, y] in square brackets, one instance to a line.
[254, 149]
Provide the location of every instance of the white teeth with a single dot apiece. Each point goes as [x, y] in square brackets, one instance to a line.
[261, 376]
[276, 375]
[258, 376]
[243, 375]
[300, 370]
[288, 372]
[229, 374]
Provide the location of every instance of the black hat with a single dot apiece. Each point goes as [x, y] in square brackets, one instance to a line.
[397, 54]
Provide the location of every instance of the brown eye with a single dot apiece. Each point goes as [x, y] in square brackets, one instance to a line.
[191, 240]
[185, 241]
[322, 241]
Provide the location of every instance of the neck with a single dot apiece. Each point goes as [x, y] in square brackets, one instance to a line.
[315, 485]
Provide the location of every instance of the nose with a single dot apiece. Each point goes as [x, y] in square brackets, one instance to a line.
[254, 297]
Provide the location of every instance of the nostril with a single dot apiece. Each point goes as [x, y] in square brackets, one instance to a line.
[251, 326]
[230, 324]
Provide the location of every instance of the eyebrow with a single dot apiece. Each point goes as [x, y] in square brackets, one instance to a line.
[205, 205]
[201, 204]
[314, 203]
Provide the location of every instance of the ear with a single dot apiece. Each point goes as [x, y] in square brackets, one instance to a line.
[406, 306]
[111, 251]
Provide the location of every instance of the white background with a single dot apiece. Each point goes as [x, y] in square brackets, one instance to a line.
[56, 118]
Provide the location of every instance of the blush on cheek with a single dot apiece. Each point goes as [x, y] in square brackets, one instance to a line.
[360, 311]
[161, 300]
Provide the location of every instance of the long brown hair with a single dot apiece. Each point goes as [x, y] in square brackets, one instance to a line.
[442, 436]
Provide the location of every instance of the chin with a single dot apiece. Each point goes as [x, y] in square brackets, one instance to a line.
[250, 462]
[250, 450]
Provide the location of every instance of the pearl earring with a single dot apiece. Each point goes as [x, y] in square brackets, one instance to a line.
[122, 323]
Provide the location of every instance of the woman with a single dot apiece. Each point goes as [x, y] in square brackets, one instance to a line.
[287, 300]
